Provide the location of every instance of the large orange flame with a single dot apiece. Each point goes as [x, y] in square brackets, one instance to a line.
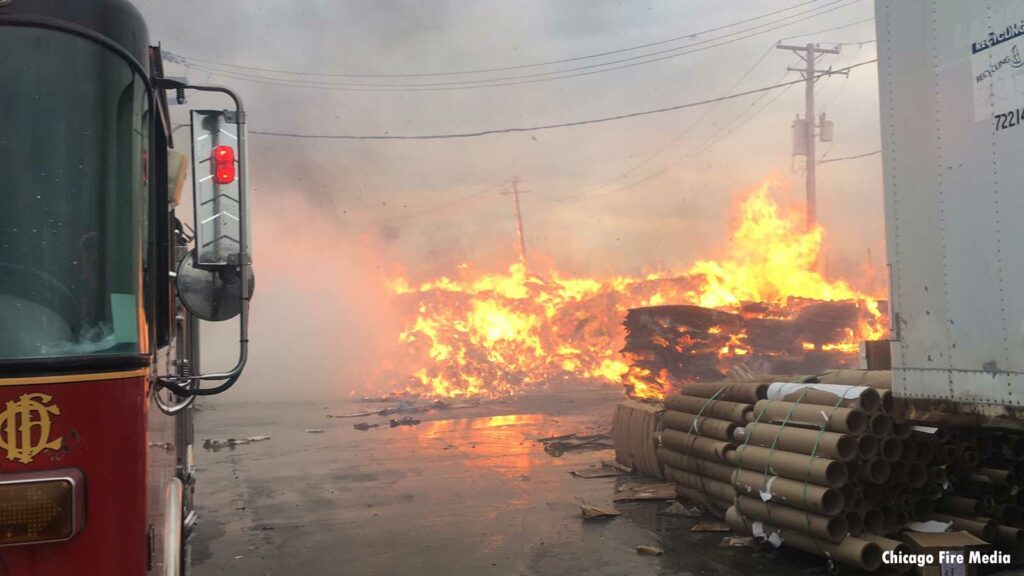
[495, 335]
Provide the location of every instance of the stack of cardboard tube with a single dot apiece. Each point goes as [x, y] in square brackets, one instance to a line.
[828, 465]
[984, 472]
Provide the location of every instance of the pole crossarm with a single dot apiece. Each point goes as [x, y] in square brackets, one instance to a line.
[816, 49]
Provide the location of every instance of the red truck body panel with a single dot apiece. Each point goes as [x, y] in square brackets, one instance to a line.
[102, 427]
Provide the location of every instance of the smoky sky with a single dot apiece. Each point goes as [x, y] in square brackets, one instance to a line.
[333, 217]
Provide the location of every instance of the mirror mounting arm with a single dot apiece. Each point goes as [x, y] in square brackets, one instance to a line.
[189, 386]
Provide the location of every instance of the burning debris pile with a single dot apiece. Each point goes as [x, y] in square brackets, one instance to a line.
[763, 306]
[667, 346]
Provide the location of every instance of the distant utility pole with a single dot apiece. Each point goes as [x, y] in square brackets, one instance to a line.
[809, 54]
[515, 192]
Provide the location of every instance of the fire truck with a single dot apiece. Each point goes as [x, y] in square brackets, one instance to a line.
[103, 288]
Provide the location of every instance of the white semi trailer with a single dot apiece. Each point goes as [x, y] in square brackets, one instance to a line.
[951, 79]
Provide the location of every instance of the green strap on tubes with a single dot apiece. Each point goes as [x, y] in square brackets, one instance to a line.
[814, 451]
[768, 463]
[693, 428]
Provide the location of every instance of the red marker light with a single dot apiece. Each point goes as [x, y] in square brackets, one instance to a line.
[223, 163]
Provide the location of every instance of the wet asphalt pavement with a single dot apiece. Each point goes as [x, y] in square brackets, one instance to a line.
[466, 492]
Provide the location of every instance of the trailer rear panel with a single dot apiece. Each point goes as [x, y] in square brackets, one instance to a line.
[951, 77]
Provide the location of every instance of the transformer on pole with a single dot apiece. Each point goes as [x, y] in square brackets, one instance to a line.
[803, 128]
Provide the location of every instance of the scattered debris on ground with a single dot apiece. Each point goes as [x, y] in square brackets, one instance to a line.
[602, 471]
[314, 430]
[618, 466]
[406, 421]
[636, 491]
[218, 443]
[680, 509]
[365, 426]
[362, 414]
[731, 541]
[404, 406]
[649, 551]
[710, 527]
[593, 512]
[558, 445]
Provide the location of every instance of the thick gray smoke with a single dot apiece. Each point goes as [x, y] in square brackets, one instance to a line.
[333, 216]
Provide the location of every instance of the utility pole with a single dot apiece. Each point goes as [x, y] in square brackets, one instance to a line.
[809, 55]
[515, 192]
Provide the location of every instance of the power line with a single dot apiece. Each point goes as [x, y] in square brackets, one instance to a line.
[728, 129]
[864, 155]
[846, 77]
[436, 208]
[678, 137]
[722, 134]
[545, 126]
[496, 69]
[714, 139]
[850, 25]
[527, 78]
[535, 77]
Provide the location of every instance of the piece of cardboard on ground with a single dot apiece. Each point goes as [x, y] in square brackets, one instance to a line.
[733, 541]
[638, 491]
[933, 542]
[679, 509]
[591, 512]
[613, 464]
[710, 527]
[602, 471]
[649, 551]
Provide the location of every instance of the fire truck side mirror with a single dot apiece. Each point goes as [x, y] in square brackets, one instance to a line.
[210, 293]
[215, 279]
[218, 169]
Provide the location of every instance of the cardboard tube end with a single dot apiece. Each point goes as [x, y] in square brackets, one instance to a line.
[879, 470]
[867, 446]
[837, 528]
[880, 425]
[891, 449]
[871, 557]
[832, 501]
[870, 401]
[837, 474]
[856, 421]
[874, 521]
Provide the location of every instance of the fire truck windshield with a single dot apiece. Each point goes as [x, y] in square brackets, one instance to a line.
[73, 149]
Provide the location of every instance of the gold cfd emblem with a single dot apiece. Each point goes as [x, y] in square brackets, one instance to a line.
[25, 427]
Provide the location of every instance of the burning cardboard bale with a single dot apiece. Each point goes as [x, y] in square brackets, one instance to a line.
[668, 346]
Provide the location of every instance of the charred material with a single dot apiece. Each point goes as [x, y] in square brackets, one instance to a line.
[667, 346]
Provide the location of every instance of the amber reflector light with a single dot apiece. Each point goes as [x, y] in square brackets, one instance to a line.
[41, 506]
